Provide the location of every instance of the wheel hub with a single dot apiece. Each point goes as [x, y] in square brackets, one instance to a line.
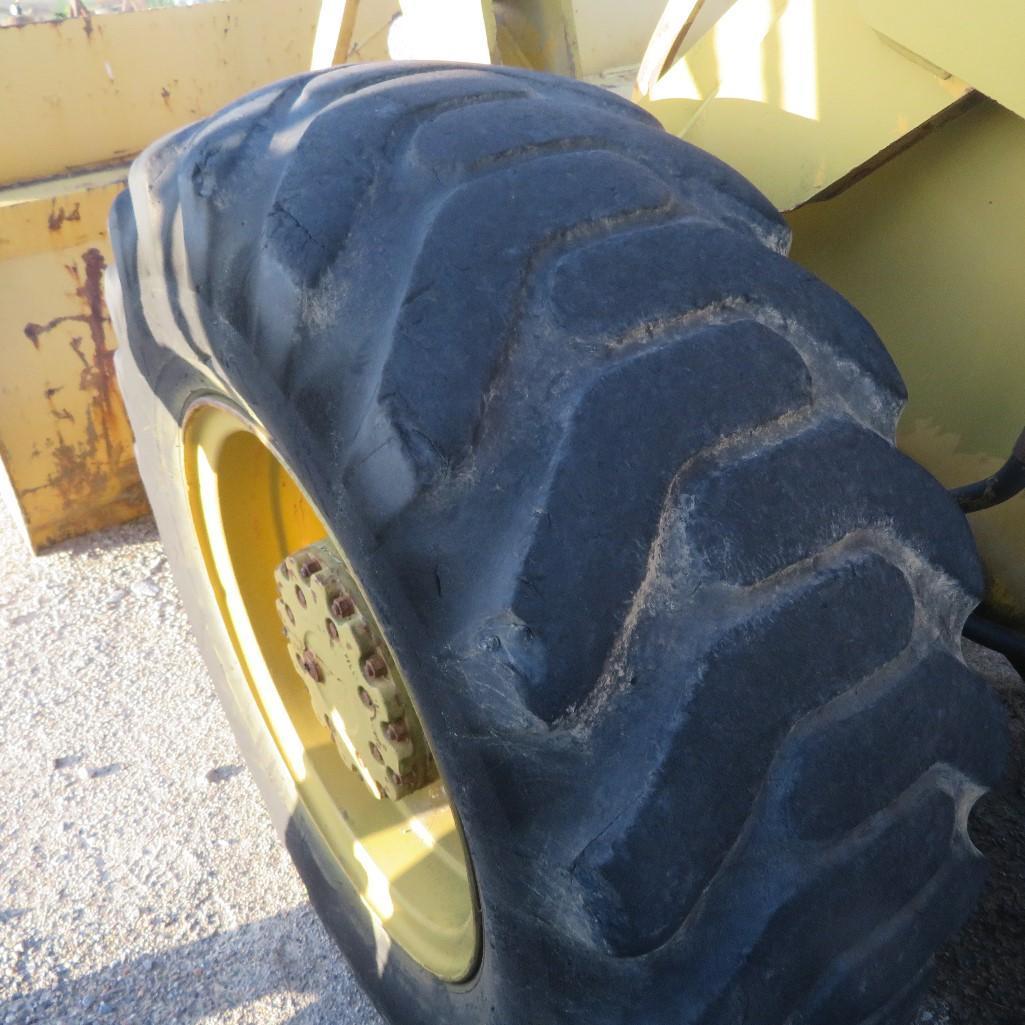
[393, 841]
[351, 676]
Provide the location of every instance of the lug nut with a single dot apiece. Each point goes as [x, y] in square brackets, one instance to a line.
[376, 752]
[375, 667]
[395, 731]
[309, 661]
[289, 613]
[300, 597]
[332, 630]
[394, 778]
[307, 569]
[342, 606]
[367, 700]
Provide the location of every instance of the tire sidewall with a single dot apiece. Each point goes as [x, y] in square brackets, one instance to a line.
[400, 987]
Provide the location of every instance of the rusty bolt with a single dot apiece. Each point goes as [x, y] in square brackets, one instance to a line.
[342, 606]
[300, 597]
[375, 667]
[307, 569]
[332, 630]
[393, 777]
[395, 731]
[290, 614]
[367, 700]
[376, 752]
[309, 661]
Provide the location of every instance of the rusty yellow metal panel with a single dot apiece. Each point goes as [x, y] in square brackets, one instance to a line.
[929, 248]
[82, 92]
[796, 94]
[78, 98]
[64, 438]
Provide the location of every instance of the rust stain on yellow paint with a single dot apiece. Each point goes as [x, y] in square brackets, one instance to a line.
[82, 466]
[58, 215]
[86, 93]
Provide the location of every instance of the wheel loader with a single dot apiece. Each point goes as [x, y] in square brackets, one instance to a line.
[583, 575]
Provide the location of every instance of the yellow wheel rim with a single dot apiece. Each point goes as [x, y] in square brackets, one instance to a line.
[405, 859]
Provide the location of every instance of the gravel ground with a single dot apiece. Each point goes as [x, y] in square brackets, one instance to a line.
[140, 879]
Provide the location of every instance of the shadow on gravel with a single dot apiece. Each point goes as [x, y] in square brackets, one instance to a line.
[287, 954]
[123, 537]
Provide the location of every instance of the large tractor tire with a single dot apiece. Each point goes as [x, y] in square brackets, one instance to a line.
[616, 484]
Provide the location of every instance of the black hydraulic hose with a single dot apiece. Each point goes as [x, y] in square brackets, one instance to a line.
[1002, 485]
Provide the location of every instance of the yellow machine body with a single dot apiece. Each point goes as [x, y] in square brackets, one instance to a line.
[78, 99]
[891, 134]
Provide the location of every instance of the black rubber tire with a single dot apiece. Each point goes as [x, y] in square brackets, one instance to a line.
[682, 624]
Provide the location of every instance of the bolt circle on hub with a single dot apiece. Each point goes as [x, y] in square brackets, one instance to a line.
[352, 679]
[395, 841]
